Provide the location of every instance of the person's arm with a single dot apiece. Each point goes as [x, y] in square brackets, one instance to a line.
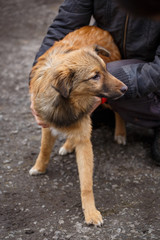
[141, 78]
[72, 14]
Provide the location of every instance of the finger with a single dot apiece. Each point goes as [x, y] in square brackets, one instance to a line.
[41, 123]
[33, 110]
[96, 104]
[34, 113]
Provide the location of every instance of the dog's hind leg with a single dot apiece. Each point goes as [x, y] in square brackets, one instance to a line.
[120, 130]
[67, 147]
[47, 141]
[120, 134]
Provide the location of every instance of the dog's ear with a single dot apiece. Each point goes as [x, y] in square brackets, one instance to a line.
[101, 50]
[63, 81]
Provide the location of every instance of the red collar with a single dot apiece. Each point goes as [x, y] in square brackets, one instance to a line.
[103, 100]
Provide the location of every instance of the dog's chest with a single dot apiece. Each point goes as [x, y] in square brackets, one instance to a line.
[55, 132]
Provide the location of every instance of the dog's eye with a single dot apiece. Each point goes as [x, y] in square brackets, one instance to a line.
[96, 76]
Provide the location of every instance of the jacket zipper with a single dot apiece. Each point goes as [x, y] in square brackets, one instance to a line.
[124, 36]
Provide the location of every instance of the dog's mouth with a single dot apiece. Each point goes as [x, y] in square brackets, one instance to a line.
[113, 95]
[109, 96]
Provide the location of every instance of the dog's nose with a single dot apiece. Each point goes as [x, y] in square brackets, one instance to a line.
[123, 89]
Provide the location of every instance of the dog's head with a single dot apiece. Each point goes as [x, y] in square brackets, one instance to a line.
[65, 85]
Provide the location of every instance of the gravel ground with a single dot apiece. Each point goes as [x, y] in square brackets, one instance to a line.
[126, 182]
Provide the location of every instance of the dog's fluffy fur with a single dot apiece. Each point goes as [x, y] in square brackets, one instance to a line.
[65, 84]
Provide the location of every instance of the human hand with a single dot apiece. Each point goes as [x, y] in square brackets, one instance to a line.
[43, 124]
[39, 121]
[96, 104]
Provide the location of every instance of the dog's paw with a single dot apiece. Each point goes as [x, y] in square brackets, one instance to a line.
[35, 172]
[64, 151]
[120, 139]
[93, 217]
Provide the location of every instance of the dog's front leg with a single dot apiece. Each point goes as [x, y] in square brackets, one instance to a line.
[84, 156]
[42, 161]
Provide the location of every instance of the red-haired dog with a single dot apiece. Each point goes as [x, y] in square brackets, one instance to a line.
[65, 84]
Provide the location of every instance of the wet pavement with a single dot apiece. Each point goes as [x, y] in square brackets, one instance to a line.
[126, 182]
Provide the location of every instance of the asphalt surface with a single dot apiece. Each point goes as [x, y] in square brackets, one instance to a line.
[126, 182]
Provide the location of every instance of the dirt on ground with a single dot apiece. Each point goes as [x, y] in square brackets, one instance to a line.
[126, 181]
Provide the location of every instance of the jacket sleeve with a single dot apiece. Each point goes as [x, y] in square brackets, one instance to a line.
[141, 78]
[72, 14]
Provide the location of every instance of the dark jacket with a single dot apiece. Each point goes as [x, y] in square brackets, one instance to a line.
[136, 38]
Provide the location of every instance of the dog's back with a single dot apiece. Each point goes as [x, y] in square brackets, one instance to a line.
[88, 36]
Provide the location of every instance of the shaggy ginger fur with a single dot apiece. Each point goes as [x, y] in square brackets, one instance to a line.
[65, 84]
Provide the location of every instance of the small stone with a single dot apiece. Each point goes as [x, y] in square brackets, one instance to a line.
[29, 231]
[7, 161]
[61, 221]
